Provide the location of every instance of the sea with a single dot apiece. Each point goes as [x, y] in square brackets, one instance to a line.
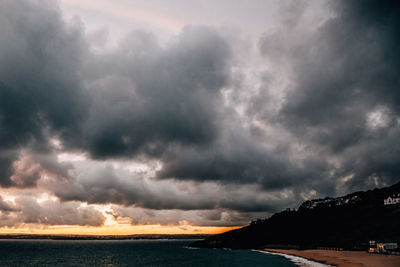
[112, 253]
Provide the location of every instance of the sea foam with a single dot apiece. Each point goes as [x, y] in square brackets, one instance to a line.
[298, 260]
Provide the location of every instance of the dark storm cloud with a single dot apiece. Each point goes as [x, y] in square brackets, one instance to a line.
[39, 78]
[233, 158]
[182, 218]
[103, 184]
[100, 183]
[166, 103]
[6, 159]
[160, 95]
[345, 75]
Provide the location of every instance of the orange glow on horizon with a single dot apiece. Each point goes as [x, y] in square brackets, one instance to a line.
[115, 230]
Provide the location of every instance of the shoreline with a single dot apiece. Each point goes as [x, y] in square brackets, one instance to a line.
[300, 261]
[342, 258]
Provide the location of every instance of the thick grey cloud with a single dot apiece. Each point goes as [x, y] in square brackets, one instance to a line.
[156, 95]
[182, 218]
[29, 168]
[6, 159]
[345, 96]
[100, 183]
[235, 157]
[40, 91]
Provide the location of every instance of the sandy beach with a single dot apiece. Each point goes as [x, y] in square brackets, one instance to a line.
[344, 258]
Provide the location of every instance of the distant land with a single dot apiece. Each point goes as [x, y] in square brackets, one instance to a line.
[348, 222]
[104, 237]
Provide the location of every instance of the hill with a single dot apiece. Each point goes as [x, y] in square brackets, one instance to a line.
[347, 222]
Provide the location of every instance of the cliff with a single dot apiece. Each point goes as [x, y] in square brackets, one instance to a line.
[347, 222]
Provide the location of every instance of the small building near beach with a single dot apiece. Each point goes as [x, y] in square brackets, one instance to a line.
[382, 247]
[386, 247]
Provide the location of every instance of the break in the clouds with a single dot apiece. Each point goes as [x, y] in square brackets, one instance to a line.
[216, 123]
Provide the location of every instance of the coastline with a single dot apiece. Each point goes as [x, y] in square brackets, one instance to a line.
[342, 258]
[300, 261]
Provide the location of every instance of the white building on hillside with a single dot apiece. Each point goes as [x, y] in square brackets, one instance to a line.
[395, 199]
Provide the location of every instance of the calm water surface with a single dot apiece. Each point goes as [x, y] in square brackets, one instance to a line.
[127, 253]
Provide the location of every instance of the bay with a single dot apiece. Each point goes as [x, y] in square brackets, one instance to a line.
[112, 253]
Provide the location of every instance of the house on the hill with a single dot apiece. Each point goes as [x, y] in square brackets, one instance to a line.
[330, 202]
[394, 199]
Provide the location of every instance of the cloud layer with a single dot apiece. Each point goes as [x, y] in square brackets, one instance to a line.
[209, 127]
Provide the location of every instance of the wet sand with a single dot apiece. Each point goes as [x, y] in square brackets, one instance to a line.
[344, 258]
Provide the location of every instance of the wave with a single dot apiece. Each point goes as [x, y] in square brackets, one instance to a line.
[297, 260]
[187, 247]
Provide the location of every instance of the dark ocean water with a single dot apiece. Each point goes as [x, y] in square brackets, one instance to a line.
[127, 253]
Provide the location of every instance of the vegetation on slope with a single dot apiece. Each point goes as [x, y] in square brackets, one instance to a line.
[330, 223]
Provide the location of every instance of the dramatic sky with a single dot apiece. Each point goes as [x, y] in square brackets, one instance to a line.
[183, 116]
